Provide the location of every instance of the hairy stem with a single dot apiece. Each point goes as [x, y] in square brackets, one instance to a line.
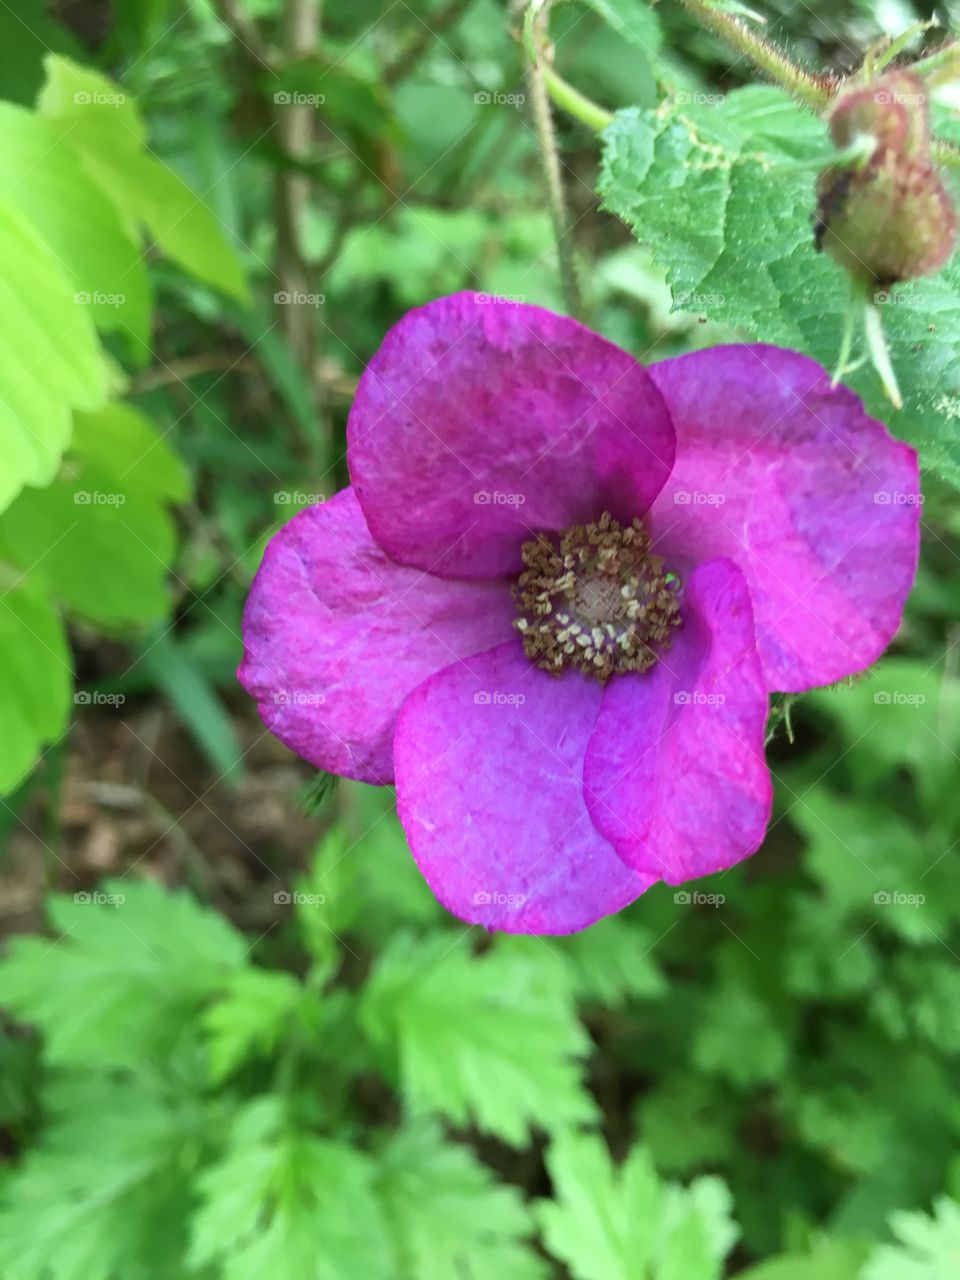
[535, 42]
[804, 85]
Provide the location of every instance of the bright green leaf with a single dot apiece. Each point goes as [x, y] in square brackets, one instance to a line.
[35, 679]
[50, 361]
[251, 1017]
[492, 1039]
[620, 1223]
[100, 538]
[284, 1203]
[126, 967]
[447, 1216]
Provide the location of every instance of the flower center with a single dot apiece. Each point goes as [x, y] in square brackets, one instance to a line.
[599, 602]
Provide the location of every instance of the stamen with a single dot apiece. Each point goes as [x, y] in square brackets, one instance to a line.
[598, 600]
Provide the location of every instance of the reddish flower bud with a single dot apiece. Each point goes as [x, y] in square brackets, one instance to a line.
[889, 217]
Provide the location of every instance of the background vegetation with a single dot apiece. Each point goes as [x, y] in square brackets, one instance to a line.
[242, 1039]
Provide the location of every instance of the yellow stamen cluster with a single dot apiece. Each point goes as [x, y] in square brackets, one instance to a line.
[599, 602]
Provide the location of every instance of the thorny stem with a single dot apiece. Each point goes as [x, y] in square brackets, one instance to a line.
[812, 90]
[535, 43]
[940, 66]
[883, 57]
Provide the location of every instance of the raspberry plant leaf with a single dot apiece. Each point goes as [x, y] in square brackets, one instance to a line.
[717, 191]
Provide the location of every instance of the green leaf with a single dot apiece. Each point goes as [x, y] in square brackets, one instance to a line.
[104, 125]
[50, 360]
[928, 1248]
[738, 1038]
[250, 1018]
[446, 1215]
[706, 185]
[105, 1187]
[611, 961]
[632, 19]
[491, 1039]
[621, 1223]
[830, 1260]
[44, 179]
[100, 538]
[127, 967]
[282, 1202]
[35, 679]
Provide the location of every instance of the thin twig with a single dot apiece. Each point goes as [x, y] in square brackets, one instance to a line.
[535, 42]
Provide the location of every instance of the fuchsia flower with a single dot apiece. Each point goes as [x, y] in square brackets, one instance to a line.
[554, 601]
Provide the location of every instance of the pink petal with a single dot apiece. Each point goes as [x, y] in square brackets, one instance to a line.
[490, 792]
[479, 421]
[337, 635]
[813, 499]
[675, 776]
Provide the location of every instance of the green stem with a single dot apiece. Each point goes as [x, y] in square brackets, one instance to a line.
[576, 104]
[535, 42]
[806, 87]
[883, 58]
[880, 353]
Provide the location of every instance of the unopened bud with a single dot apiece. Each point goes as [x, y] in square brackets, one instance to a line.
[885, 216]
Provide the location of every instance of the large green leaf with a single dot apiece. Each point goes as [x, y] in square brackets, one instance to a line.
[129, 967]
[106, 128]
[287, 1204]
[447, 1216]
[43, 177]
[610, 1223]
[50, 361]
[510, 1064]
[708, 186]
[100, 538]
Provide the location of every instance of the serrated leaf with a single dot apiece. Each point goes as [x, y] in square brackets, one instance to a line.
[928, 1248]
[620, 1223]
[709, 188]
[126, 966]
[35, 679]
[50, 359]
[104, 1191]
[249, 1018]
[100, 538]
[491, 1040]
[282, 1202]
[446, 1215]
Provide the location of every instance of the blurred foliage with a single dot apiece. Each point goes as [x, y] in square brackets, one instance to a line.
[362, 1087]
